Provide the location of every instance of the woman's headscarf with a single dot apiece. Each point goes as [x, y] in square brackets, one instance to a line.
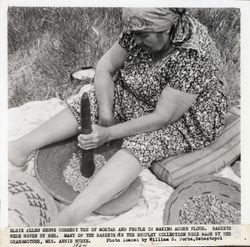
[161, 19]
[149, 19]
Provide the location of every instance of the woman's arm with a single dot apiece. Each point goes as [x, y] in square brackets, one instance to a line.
[104, 87]
[171, 105]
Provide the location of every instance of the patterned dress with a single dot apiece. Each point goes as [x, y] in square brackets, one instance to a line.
[138, 88]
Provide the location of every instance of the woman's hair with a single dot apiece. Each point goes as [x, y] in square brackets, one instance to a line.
[172, 32]
[179, 11]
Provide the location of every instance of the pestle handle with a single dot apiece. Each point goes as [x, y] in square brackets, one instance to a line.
[87, 163]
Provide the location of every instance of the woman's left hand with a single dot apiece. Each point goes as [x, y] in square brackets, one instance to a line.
[96, 138]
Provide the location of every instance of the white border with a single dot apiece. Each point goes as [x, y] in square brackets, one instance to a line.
[245, 77]
[123, 3]
[245, 117]
[3, 115]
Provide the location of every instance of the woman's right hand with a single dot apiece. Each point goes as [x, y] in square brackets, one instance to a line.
[98, 137]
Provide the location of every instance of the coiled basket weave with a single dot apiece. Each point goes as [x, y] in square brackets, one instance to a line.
[29, 204]
[224, 190]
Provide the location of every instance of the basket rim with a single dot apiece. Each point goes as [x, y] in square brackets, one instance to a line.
[200, 185]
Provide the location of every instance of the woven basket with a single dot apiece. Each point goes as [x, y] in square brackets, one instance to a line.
[82, 76]
[224, 189]
[51, 161]
[29, 204]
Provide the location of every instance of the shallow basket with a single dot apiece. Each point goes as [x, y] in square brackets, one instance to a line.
[83, 75]
[224, 189]
[52, 160]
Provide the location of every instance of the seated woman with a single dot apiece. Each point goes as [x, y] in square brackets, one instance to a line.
[168, 98]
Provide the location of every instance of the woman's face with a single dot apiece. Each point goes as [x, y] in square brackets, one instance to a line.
[153, 42]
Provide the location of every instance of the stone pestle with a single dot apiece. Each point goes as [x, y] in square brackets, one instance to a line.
[87, 163]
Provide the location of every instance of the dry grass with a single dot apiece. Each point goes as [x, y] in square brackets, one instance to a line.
[224, 26]
[47, 44]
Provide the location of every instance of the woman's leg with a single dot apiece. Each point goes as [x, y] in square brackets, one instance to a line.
[118, 173]
[61, 126]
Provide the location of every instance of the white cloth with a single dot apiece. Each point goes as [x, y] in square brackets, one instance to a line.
[149, 210]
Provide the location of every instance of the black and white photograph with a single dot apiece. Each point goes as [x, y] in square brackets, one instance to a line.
[124, 116]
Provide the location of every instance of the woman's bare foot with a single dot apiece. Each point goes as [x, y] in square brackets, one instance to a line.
[17, 156]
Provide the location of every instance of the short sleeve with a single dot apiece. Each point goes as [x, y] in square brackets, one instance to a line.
[187, 71]
[126, 41]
